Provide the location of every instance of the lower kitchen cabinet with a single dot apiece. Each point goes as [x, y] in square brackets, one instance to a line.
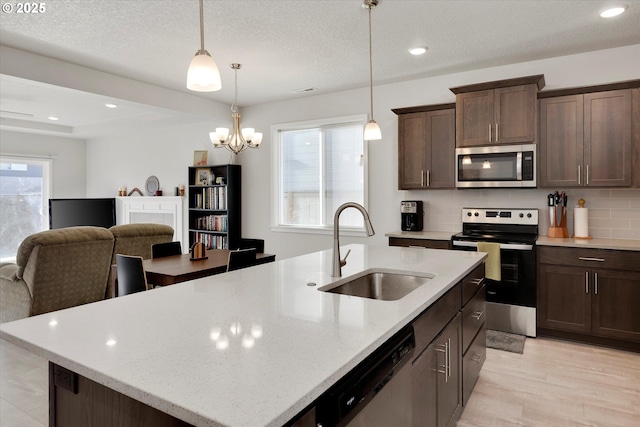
[436, 376]
[590, 295]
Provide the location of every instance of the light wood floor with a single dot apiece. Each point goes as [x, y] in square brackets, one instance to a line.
[554, 383]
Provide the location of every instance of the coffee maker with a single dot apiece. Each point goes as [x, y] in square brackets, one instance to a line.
[412, 215]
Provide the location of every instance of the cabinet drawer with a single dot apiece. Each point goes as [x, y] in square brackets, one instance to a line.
[472, 363]
[424, 243]
[429, 324]
[590, 258]
[472, 283]
[473, 317]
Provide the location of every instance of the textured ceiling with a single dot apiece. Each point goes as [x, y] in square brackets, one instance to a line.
[285, 45]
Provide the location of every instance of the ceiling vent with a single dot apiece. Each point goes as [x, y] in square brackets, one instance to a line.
[305, 90]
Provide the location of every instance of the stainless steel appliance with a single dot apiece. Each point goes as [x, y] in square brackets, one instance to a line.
[377, 392]
[496, 166]
[412, 215]
[511, 301]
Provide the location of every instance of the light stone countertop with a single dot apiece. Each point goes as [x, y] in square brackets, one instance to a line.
[425, 235]
[619, 244]
[252, 347]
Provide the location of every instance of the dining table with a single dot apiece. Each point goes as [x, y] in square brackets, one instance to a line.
[174, 269]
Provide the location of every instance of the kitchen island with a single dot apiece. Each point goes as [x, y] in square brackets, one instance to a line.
[247, 348]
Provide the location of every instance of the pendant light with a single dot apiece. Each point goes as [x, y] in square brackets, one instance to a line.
[203, 74]
[372, 130]
[239, 140]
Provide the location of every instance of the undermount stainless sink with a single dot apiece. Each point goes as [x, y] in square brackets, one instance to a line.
[379, 285]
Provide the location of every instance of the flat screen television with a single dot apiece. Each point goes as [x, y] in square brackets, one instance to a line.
[73, 212]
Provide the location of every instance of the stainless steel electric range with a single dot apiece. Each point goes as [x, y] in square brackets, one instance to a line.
[511, 301]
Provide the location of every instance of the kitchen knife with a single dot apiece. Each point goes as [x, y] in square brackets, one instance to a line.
[551, 202]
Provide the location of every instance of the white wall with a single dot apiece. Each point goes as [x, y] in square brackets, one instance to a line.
[443, 206]
[68, 159]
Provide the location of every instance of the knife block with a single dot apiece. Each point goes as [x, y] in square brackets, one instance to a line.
[559, 230]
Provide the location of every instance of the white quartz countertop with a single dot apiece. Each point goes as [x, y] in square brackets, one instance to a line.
[425, 235]
[619, 244]
[252, 347]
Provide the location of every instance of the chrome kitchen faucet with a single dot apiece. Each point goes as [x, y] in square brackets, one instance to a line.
[336, 270]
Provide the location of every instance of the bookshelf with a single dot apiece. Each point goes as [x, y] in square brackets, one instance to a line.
[215, 206]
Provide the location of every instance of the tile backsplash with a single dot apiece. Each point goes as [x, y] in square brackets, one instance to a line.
[613, 214]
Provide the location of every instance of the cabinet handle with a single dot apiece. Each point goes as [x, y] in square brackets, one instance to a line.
[587, 174]
[579, 174]
[428, 178]
[422, 178]
[477, 281]
[489, 132]
[477, 315]
[478, 357]
[497, 132]
[449, 357]
[595, 283]
[585, 258]
[586, 282]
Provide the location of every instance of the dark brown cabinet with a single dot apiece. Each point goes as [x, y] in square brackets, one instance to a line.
[426, 144]
[501, 112]
[424, 243]
[590, 293]
[586, 140]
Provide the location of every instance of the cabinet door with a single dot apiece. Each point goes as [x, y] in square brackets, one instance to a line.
[411, 151]
[449, 384]
[564, 298]
[440, 139]
[561, 142]
[615, 304]
[607, 138]
[423, 388]
[515, 115]
[474, 118]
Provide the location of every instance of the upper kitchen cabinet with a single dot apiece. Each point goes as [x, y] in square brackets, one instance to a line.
[586, 139]
[426, 145]
[500, 112]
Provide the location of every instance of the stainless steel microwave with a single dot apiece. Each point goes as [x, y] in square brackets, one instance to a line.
[496, 166]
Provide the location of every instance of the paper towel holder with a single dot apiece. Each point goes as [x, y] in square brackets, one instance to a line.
[581, 203]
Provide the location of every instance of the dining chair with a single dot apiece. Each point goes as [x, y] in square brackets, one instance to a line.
[241, 258]
[131, 275]
[159, 250]
[252, 243]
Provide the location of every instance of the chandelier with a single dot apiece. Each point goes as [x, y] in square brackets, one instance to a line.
[239, 140]
[203, 74]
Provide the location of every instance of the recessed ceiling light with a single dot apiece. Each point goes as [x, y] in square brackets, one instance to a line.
[610, 12]
[111, 105]
[417, 50]
[54, 118]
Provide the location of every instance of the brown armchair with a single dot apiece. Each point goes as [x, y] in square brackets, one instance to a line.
[54, 270]
[135, 240]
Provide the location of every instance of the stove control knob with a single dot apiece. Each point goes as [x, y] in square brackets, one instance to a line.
[528, 215]
[476, 214]
[521, 215]
[468, 213]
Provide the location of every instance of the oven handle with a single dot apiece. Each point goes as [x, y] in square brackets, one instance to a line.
[512, 246]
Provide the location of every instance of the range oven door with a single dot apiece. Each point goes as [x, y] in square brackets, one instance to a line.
[496, 166]
[517, 270]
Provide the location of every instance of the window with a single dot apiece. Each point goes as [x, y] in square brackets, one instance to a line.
[24, 198]
[319, 166]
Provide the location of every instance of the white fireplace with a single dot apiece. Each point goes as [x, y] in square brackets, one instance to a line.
[155, 210]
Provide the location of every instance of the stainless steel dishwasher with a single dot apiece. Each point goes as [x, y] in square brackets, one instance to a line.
[375, 393]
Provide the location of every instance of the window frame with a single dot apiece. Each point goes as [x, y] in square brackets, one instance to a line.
[276, 177]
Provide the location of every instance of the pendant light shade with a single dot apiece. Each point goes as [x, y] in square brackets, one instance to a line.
[372, 130]
[203, 74]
